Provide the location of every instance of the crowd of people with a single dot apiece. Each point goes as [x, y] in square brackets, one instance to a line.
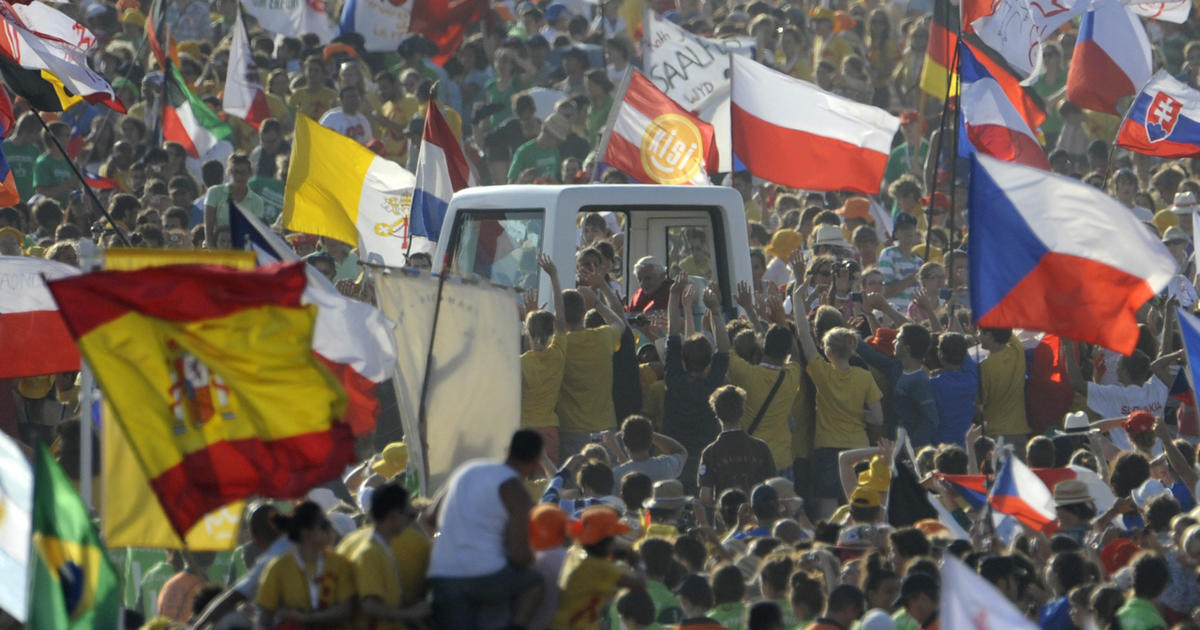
[679, 463]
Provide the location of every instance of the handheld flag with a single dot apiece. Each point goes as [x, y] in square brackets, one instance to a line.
[655, 141]
[1021, 494]
[99, 182]
[9, 195]
[32, 333]
[291, 18]
[338, 188]
[1015, 30]
[244, 96]
[1189, 329]
[937, 70]
[442, 170]
[204, 382]
[1181, 389]
[970, 601]
[793, 133]
[993, 125]
[16, 508]
[351, 338]
[73, 585]
[188, 120]
[1164, 119]
[1112, 58]
[44, 57]
[1176, 11]
[1080, 267]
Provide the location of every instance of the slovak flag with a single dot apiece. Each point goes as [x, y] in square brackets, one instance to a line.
[1164, 120]
[793, 133]
[1112, 58]
[442, 170]
[1079, 267]
[1021, 494]
[993, 125]
[655, 141]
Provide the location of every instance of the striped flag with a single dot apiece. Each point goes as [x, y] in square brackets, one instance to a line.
[188, 120]
[655, 141]
[1112, 58]
[32, 332]
[442, 170]
[205, 381]
[1021, 494]
[244, 96]
[937, 69]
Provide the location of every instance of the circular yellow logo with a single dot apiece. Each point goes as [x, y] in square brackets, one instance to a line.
[671, 149]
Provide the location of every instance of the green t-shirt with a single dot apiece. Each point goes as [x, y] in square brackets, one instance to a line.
[152, 583]
[667, 610]
[1046, 89]
[530, 155]
[271, 191]
[732, 615]
[1140, 614]
[21, 160]
[898, 160]
[905, 621]
[137, 563]
[218, 197]
[51, 170]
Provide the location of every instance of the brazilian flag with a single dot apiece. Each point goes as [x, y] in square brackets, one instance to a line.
[73, 585]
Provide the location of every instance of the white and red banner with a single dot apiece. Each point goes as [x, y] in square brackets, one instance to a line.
[1112, 58]
[1176, 11]
[655, 141]
[793, 133]
[244, 96]
[292, 17]
[32, 332]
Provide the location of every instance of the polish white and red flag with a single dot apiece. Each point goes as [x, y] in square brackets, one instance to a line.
[244, 96]
[32, 332]
[655, 141]
[793, 133]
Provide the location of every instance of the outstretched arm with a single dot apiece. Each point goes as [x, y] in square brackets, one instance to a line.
[674, 314]
[745, 299]
[712, 302]
[560, 319]
[807, 345]
[610, 317]
[1074, 374]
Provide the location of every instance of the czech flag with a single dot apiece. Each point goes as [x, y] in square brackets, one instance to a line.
[1079, 267]
[973, 488]
[993, 125]
[98, 182]
[1021, 494]
[9, 195]
[1189, 329]
[1164, 119]
[203, 366]
[793, 133]
[442, 170]
[1112, 58]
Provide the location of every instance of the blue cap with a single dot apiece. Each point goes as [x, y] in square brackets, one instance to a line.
[555, 12]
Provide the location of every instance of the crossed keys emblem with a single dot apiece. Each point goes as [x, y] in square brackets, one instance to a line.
[396, 206]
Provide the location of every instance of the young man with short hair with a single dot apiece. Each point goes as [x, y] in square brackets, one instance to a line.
[955, 389]
[844, 606]
[735, 459]
[1002, 387]
[1150, 577]
[585, 401]
[638, 438]
[912, 407]
[899, 265]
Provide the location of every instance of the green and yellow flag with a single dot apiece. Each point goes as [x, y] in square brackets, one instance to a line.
[73, 584]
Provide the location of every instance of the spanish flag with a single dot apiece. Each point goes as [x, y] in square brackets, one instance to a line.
[73, 585]
[211, 375]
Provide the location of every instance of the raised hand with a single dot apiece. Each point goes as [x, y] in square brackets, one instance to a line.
[688, 297]
[547, 264]
[796, 262]
[712, 297]
[744, 296]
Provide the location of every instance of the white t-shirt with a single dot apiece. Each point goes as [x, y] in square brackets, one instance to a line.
[471, 522]
[1115, 401]
[658, 468]
[354, 126]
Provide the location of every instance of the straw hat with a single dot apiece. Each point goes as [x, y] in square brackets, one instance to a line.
[830, 235]
[1071, 492]
[667, 495]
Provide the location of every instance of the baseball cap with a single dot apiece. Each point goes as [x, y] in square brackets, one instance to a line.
[915, 584]
[864, 497]
[1139, 421]
[597, 523]
[556, 11]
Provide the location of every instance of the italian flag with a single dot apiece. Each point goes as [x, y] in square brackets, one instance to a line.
[188, 121]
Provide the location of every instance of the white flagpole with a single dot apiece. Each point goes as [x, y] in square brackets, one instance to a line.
[613, 112]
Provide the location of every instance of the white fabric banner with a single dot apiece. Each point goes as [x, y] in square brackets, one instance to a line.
[473, 403]
[694, 72]
[1016, 30]
[969, 601]
[383, 213]
[381, 23]
[1176, 11]
[16, 506]
[292, 17]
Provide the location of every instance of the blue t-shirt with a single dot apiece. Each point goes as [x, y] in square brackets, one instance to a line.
[955, 392]
[912, 405]
[1056, 615]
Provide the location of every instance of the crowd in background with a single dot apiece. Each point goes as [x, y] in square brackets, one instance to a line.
[676, 466]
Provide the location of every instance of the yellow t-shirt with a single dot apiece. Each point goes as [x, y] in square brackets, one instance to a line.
[842, 397]
[758, 380]
[653, 393]
[399, 111]
[753, 212]
[1002, 390]
[541, 378]
[453, 119]
[585, 402]
[375, 575]
[313, 102]
[692, 268]
[935, 252]
[587, 584]
[284, 585]
[835, 50]
[802, 424]
[279, 109]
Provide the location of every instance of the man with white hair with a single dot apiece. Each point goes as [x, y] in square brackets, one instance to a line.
[654, 287]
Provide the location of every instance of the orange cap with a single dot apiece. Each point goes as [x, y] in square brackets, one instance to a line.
[1117, 554]
[597, 523]
[1138, 422]
[547, 526]
[856, 208]
[940, 200]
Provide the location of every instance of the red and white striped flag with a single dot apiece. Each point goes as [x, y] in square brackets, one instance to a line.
[244, 96]
[655, 141]
[791, 132]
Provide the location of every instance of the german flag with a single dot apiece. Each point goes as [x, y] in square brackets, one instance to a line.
[211, 376]
[939, 52]
[72, 585]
